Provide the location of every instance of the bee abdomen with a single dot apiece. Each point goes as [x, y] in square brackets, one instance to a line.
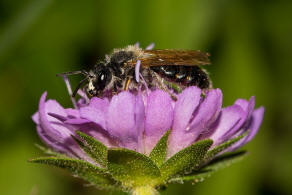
[198, 77]
[184, 75]
[166, 71]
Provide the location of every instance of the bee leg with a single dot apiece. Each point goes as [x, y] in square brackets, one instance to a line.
[115, 88]
[162, 85]
[84, 72]
[127, 84]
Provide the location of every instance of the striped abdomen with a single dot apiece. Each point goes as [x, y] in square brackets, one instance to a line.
[184, 75]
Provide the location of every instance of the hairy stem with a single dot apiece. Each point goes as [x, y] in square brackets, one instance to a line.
[144, 190]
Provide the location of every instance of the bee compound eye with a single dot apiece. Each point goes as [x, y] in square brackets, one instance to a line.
[102, 78]
[100, 82]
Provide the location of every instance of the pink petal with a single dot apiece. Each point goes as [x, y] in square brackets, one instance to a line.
[185, 106]
[256, 121]
[159, 117]
[54, 130]
[247, 107]
[150, 47]
[52, 143]
[94, 115]
[99, 104]
[139, 120]
[72, 113]
[229, 118]
[207, 112]
[254, 125]
[121, 118]
[35, 118]
[76, 121]
[137, 71]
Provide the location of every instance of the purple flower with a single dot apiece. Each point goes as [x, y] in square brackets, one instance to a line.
[138, 120]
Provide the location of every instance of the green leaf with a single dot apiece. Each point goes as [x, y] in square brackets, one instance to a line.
[158, 153]
[186, 159]
[215, 165]
[94, 148]
[212, 153]
[131, 168]
[80, 168]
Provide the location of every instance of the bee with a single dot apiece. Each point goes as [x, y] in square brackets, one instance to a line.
[117, 71]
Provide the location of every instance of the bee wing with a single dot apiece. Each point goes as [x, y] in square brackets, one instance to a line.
[172, 57]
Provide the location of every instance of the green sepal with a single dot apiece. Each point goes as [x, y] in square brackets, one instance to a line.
[196, 177]
[158, 153]
[225, 160]
[212, 167]
[94, 148]
[84, 147]
[186, 159]
[212, 153]
[80, 168]
[131, 168]
[49, 151]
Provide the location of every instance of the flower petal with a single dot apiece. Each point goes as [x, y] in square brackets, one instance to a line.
[35, 118]
[59, 117]
[185, 106]
[247, 107]
[68, 147]
[253, 127]
[256, 121]
[72, 113]
[99, 104]
[50, 125]
[139, 120]
[207, 112]
[76, 121]
[150, 47]
[229, 118]
[97, 132]
[52, 143]
[121, 118]
[94, 115]
[137, 71]
[159, 117]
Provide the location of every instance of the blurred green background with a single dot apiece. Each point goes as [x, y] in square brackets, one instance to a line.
[250, 44]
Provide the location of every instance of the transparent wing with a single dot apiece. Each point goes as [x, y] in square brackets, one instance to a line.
[172, 57]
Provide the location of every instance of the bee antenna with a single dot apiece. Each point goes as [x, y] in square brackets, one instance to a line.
[79, 86]
[85, 73]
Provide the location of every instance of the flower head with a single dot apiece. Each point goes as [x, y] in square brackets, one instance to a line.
[145, 138]
[138, 121]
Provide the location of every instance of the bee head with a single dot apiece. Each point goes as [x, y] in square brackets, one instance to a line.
[98, 79]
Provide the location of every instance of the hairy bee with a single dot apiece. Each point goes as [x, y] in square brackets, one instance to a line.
[117, 71]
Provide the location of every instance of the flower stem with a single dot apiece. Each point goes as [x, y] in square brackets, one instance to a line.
[144, 190]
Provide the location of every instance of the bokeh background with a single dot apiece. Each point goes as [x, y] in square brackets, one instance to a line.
[250, 43]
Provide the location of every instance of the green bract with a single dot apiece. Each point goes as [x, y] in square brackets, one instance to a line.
[130, 171]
